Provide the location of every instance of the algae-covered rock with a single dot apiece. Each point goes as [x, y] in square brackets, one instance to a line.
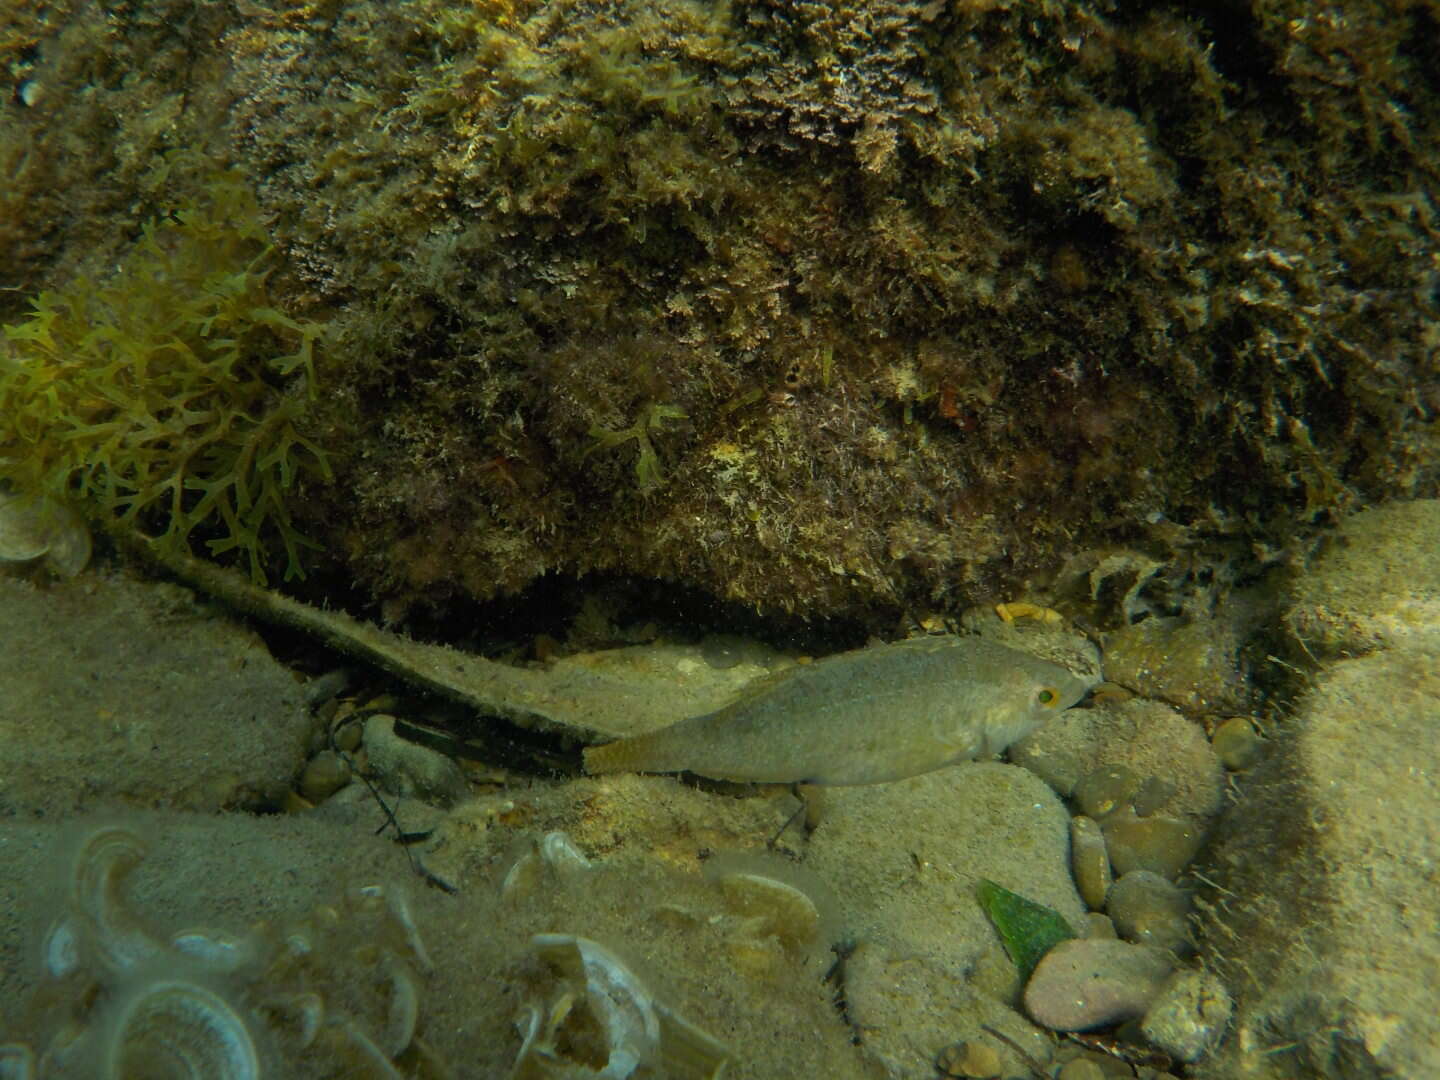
[1374, 584]
[1140, 740]
[647, 287]
[907, 1005]
[1328, 926]
[1193, 665]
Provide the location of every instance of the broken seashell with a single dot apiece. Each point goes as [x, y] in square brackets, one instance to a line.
[555, 855]
[35, 525]
[17, 1062]
[402, 1014]
[601, 998]
[780, 909]
[106, 857]
[61, 950]
[190, 1028]
[782, 899]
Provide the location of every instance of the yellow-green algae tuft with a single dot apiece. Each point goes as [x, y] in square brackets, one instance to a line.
[168, 397]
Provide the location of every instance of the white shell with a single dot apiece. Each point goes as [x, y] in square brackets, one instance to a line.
[34, 525]
[107, 855]
[17, 1062]
[640, 1031]
[61, 950]
[180, 1031]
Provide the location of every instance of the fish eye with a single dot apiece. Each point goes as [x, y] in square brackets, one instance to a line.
[1047, 697]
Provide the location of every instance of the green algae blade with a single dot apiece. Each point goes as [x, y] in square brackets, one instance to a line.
[1029, 930]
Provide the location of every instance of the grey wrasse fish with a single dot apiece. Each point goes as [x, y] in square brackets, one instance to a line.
[862, 717]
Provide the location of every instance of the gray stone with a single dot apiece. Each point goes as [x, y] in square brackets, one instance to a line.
[1376, 585]
[406, 768]
[1189, 1016]
[1149, 910]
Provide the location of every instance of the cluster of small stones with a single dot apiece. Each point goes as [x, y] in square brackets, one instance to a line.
[1128, 969]
[357, 739]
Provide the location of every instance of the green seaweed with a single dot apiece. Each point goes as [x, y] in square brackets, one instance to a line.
[168, 397]
[1028, 930]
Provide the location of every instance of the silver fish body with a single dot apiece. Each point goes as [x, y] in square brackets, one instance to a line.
[862, 717]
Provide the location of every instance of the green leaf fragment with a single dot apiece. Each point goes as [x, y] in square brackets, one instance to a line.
[1028, 930]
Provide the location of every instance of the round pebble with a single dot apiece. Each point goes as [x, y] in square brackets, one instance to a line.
[1089, 861]
[1087, 983]
[326, 774]
[1162, 845]
[1105, 790]
[1080, 1069]
[1098, 924]
[327, 687]
[1188, 1017]
[1149, 910]
[969, 1060]
[407, 768]
[348, 736]
[1237, 744]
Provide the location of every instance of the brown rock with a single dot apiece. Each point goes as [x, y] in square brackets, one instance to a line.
[1087, 983]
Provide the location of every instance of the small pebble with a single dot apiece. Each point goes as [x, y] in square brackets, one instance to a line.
[326, 687]
[1162, 845]
[1149, 910]
[347, 736]
[1072, 1056]
[1097, 924]
[326, 774]
[969, 1060]
[1105, 790]
[1089, 861]
[1189, 1016]
[1237, 744]
[1087, 983]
